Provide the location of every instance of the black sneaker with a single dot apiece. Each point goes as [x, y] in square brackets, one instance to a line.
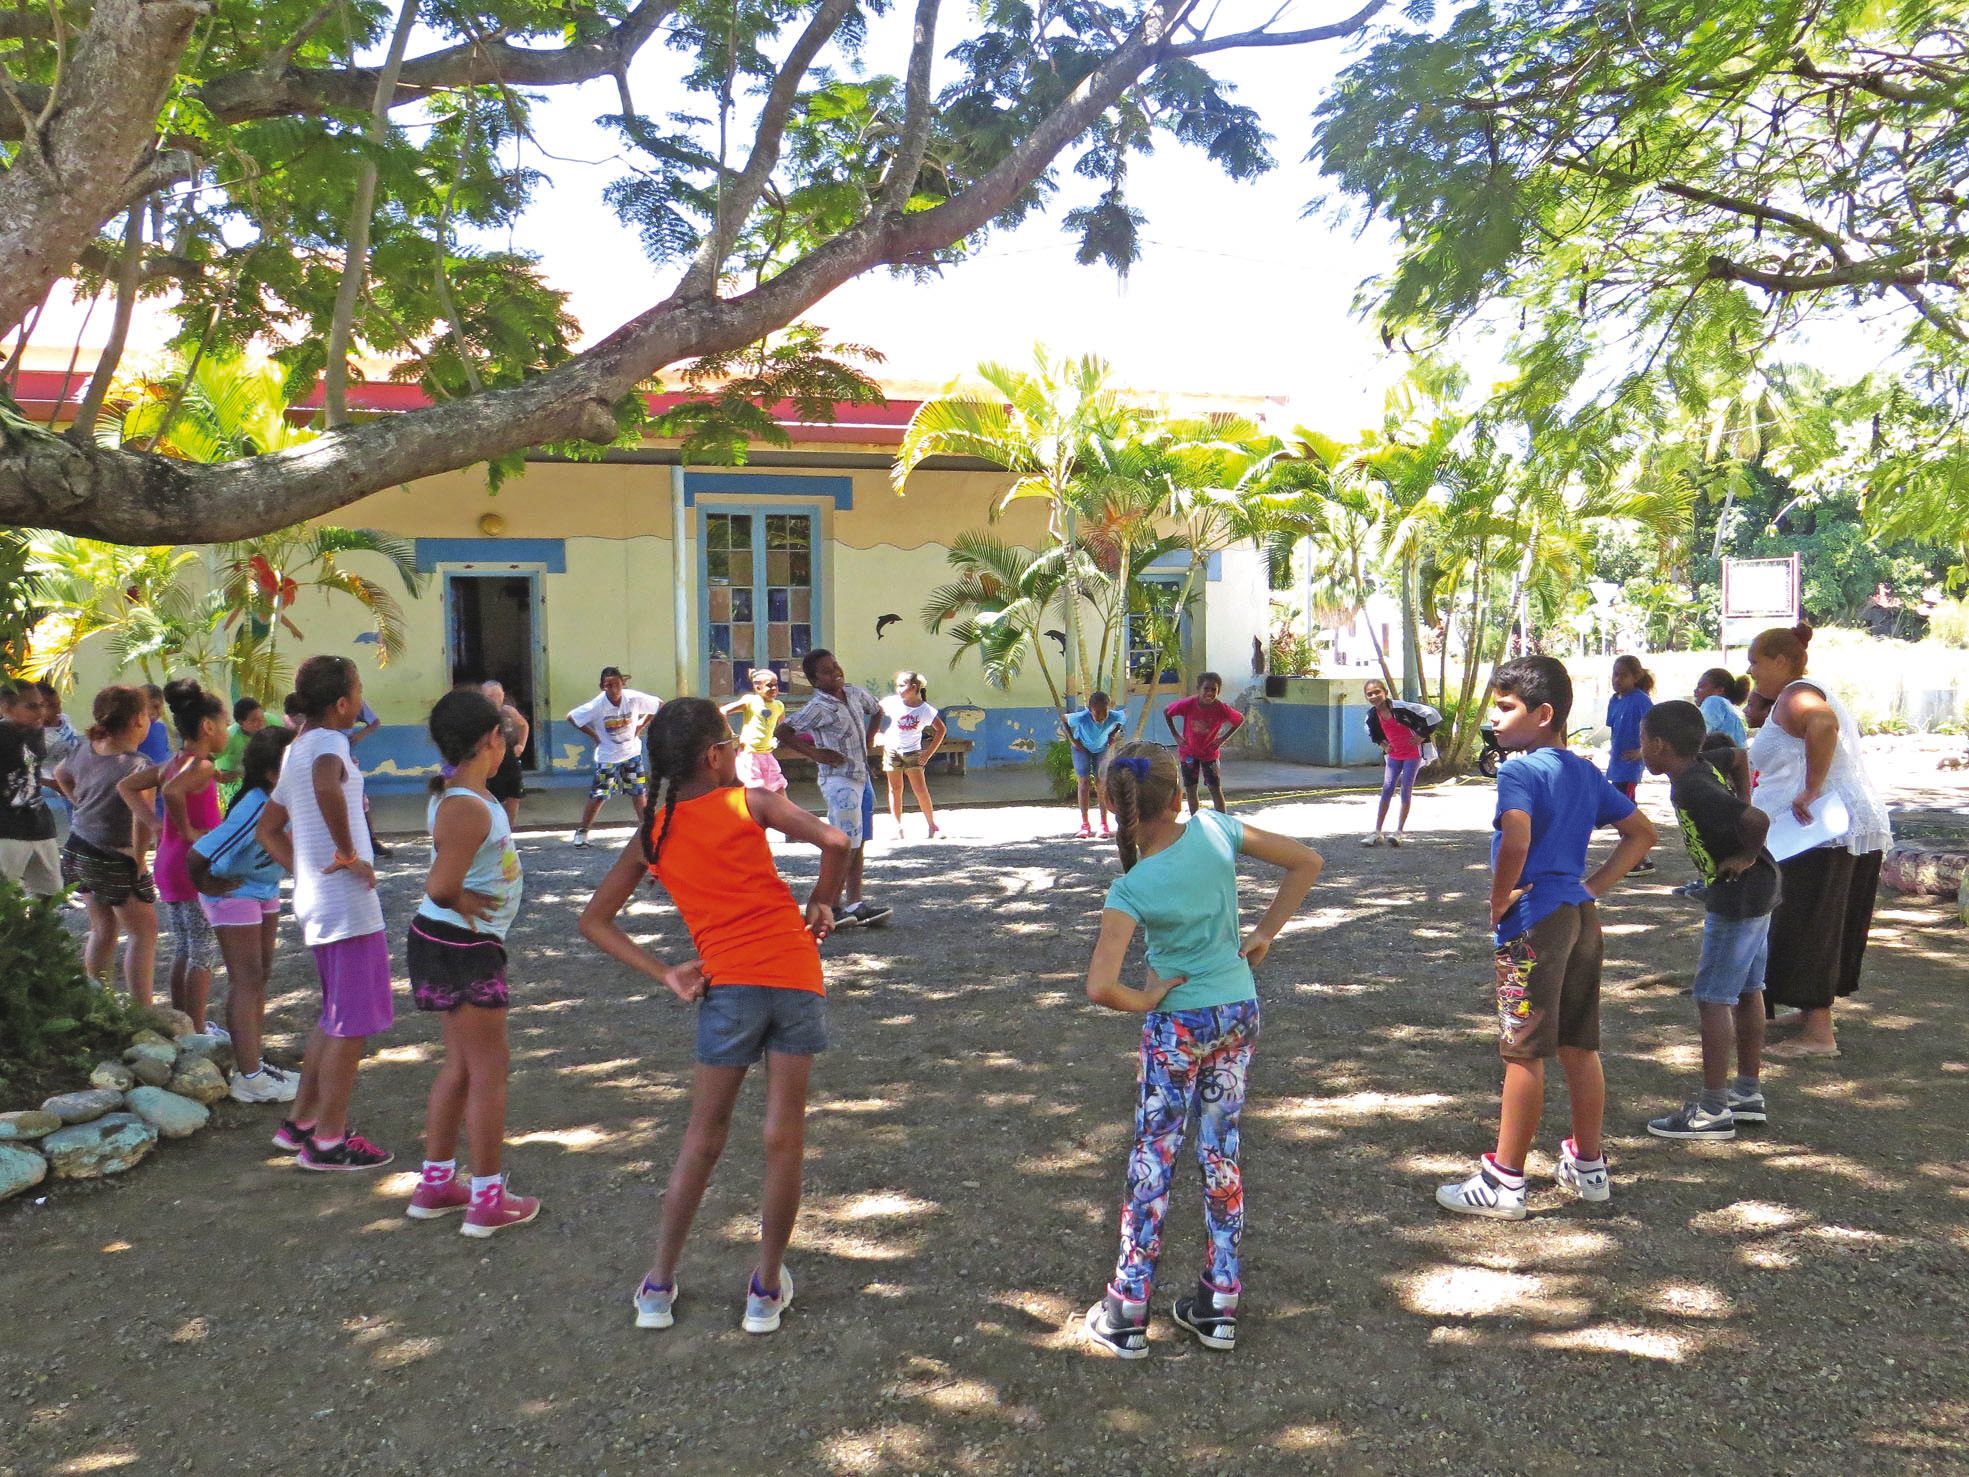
[847, 918]
[1119, 1328]
[871, 915]
[354, 1152]
[1210, 1315]
[1644, 865]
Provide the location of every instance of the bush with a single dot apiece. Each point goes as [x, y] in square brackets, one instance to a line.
[1292, 655]
[48, 1007]
[1059, 769]
[1949, 624]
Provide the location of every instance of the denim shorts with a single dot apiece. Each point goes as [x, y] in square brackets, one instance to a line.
[1088, 766]
[1734, 953]
[738, 1024]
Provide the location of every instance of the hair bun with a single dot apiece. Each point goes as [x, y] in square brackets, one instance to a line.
[1803, 631]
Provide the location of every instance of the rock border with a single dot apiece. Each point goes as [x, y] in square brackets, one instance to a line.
[162, 1087]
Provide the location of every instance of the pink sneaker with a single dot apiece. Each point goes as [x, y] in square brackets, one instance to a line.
[495, 1210]
[1084, 833]
[432, 1199]
[1106, 834]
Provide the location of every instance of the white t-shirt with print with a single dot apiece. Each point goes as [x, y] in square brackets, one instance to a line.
[334, 906]
[616, 723]
[908, 723]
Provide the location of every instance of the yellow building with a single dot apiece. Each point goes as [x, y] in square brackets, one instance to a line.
[686, 578]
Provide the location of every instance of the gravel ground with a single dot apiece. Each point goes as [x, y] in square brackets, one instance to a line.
[1793, 1301]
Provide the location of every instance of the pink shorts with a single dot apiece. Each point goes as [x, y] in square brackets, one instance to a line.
[237, 912]
[355, 985]
[759, 771]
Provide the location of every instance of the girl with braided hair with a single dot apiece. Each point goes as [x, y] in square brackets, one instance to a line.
[756, 978]
[1200, 1009]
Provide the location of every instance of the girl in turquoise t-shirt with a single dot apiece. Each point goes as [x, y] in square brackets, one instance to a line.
[1179, 881]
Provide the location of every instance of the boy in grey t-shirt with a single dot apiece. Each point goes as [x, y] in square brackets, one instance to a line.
[834, 730]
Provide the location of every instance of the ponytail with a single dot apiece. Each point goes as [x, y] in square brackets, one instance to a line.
[1142, 779]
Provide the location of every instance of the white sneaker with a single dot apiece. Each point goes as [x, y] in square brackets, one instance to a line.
[1484, 1194]
[268, 1085]
[762, 1313]
[655, 1306]
[215, 1030]
[1588, 1181]
[580, 838]
[1377, 839]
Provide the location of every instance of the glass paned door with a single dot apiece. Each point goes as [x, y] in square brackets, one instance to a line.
[759, 584]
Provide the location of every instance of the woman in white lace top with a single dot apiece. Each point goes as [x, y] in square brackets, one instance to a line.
[1809, 748]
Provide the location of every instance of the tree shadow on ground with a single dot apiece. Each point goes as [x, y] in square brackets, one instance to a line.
[1790, 1300]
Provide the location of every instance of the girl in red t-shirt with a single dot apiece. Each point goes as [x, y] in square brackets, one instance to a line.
[756, 978]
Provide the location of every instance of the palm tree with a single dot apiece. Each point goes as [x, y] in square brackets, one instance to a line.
[1216, 482]
[1038, 425]
[229, 407]
[137, 601]
[997, 607]
[262, 579]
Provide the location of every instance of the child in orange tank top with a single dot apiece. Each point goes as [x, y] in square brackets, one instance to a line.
[755, 977]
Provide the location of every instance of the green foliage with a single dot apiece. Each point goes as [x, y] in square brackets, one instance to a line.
[1657, 193]
[20, 598]
[1058, 760]
[740, 392]
[49, 1009]
[1291, 655]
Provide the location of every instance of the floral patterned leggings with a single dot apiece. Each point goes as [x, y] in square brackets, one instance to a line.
[1192, 1061]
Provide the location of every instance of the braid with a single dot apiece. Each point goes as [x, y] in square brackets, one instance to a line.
[669, 809]
[1125, 799]
[677, 740]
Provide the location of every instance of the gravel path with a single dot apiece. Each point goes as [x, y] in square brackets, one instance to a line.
[1793, 1301]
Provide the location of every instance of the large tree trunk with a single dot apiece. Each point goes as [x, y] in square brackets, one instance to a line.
[92, 146]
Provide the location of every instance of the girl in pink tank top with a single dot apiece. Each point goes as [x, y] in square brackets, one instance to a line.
[189, 780]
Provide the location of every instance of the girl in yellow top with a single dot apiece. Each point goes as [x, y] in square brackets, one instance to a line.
[757, 768]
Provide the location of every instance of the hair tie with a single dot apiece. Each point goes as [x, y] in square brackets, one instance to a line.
[446, 771]
[1135, 764]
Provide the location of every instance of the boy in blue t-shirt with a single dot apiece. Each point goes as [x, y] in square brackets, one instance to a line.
[1547, 936]
[1092, 732]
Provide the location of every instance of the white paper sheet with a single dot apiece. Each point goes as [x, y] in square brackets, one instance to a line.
[1830, 822]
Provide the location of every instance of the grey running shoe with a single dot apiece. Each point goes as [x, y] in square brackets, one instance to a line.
[1747, 1107]
[1692, 1121]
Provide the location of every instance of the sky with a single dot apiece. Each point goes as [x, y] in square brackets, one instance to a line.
[1235, 294]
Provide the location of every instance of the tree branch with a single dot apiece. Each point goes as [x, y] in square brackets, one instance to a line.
[1888, 271]
[239, 96]
[127, 279]
[741, 192]
[355, 265]
[1263, 37]
[900, 182]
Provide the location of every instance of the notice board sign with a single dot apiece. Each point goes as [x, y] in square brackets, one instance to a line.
[1759, 594]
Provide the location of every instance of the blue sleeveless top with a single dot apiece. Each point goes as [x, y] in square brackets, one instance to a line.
[495, 870]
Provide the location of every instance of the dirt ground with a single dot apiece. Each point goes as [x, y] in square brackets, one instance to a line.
[1793, 1301]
